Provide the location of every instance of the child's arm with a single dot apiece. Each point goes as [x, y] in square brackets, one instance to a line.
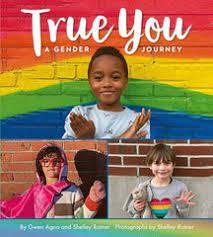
[77, 126]
[183, 202]
[93, 201]
[140, 121]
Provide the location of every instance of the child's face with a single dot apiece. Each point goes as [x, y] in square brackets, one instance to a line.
[162, 170]
[107, 80]
[51, 166]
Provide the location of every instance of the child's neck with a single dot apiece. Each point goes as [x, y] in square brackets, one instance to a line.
[157, 182]
[114, 108]
[51, 181]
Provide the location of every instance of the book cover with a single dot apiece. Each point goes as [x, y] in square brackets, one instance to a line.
[46, 47]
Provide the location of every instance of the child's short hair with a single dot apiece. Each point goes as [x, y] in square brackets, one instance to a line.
[46, 151]
[108, 50]
[161, 153]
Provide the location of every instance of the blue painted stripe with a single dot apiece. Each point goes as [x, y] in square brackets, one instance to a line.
[48, 124]
[160, 212]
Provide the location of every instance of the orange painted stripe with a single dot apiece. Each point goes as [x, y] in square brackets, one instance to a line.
[20, 54]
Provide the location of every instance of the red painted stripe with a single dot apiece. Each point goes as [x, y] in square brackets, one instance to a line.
[109, 7]
[198, 22]
[198, 13]
[158, 203]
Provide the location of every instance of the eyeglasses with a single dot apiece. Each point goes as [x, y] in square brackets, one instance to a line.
[53, 161]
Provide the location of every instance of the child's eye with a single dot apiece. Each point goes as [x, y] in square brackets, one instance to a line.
[97, 78]
[45, 161]
[116, 77]
[156, 163]
[58, 161]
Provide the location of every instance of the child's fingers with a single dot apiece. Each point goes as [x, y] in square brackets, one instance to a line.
[98, 185]
[72, 117]
[187, 194]
[84, 123]
[82, 127]
[74, 127]
[74, 120]
[82, 118]
[191, 196]
[139, 206]
[186, 197]
[141, 134]
[143, 112]
[136, 121]
[137, 202]
[149, 114]
[147, 117]
[79, 121]
[182, 194]
[177, 198]
[144, 117]
[191, 203]
[75, 123]
[98, 190]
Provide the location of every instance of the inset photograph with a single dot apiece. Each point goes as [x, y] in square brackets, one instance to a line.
[53, 179]
[161, 179]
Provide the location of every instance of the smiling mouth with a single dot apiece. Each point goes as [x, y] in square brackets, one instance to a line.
[107, 92]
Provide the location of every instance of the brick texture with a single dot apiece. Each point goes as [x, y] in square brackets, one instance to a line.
[22, 72]
[86, 162]
[194, 158]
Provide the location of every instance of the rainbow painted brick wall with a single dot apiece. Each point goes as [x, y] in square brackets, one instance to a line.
[37, 92]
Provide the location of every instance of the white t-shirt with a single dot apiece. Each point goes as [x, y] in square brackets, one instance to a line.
[108, 124]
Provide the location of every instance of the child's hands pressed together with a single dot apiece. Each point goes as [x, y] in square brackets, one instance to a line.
[139, 122]
[185, 198]
[97, 191]
[139, 205]
[82, 127]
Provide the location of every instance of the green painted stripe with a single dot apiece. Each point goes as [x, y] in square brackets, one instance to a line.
[139, 92]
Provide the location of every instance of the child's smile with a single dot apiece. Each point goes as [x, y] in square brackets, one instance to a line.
[107, 80]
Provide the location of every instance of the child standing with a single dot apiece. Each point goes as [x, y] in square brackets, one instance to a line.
[166, 197]
[53, 196]
[108, 77]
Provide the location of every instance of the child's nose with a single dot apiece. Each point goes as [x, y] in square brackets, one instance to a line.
[107, 82]
[162, 166]
[51, 164]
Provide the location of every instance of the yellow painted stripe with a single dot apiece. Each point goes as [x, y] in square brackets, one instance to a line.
[161, 207]
[196, 75]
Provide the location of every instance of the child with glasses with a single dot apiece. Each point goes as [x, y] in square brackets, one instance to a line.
[53, 196]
